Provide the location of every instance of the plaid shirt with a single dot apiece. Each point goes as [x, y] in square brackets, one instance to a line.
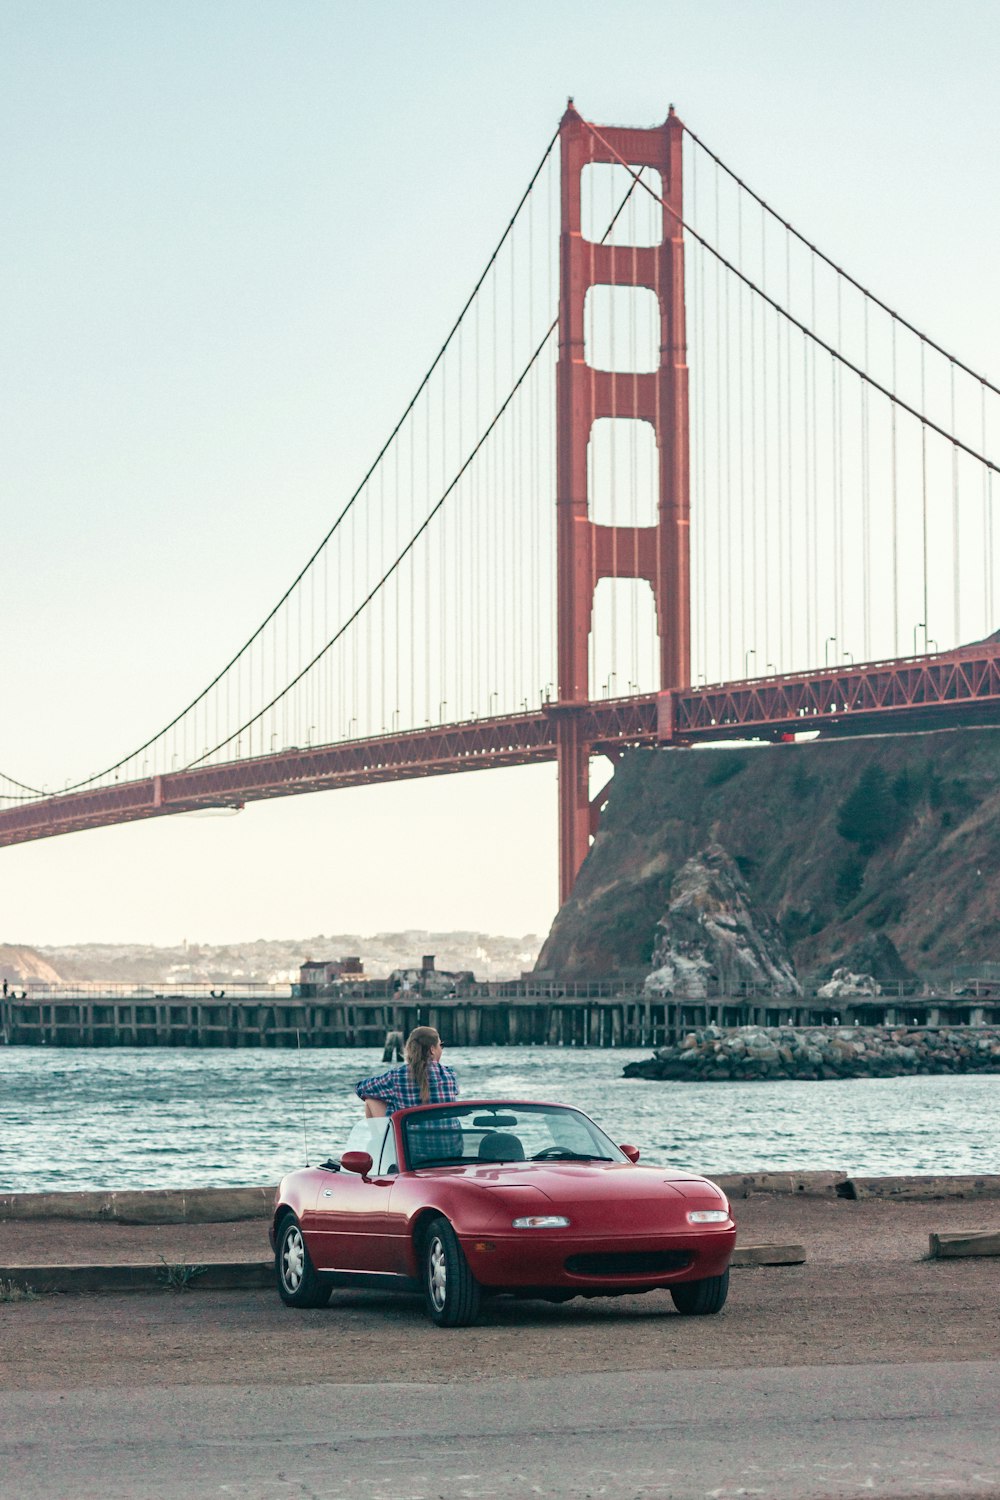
[399, 1088]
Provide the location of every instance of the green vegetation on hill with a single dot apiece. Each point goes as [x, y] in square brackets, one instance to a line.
[841, 841]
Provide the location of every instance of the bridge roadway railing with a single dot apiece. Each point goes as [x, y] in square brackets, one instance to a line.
[608, 1014]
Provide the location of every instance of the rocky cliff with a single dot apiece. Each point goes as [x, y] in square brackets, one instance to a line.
[875, 854]
[713, 937]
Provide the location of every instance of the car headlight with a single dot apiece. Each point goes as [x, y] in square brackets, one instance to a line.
[707, 1216]
[541, 1221]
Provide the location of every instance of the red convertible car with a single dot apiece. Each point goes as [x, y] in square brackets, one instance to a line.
[465, 1201]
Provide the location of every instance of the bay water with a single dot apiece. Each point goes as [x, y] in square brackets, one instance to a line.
[126, 1118]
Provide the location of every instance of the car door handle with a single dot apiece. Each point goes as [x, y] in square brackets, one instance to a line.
[327, 1192]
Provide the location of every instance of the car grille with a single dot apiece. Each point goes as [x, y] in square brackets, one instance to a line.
[629, 1263]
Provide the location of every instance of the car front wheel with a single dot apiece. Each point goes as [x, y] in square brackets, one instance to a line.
[451, 1292]
[298, 1281]
[696, 1298]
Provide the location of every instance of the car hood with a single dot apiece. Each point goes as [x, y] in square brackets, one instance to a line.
[594, 1183]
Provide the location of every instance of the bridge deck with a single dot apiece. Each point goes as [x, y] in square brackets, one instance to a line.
[917, 693]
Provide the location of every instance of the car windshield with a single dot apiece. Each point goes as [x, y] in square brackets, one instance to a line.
[497, 1132]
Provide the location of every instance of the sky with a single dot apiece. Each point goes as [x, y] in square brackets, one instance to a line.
[232, 235]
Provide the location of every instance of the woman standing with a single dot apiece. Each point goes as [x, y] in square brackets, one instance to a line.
[423, 1078]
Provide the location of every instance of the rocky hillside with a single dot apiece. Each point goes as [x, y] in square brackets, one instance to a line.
[858, 850]
[19, 963]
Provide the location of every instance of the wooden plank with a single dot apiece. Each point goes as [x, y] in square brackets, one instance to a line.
[948, 1246]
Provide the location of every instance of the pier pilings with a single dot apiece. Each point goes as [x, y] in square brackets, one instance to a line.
[602, 1014]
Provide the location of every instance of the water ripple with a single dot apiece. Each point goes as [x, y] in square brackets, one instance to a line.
[114, 1118]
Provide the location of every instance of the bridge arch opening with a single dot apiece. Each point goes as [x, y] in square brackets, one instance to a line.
[624, 649]
[622, 329]
[604, 187]
[623, 481]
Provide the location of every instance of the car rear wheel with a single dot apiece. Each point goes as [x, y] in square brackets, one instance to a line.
[696, 1298]
[451, 1292]
[299, 1284]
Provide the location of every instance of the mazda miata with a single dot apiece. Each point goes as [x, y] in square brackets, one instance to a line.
[471, 1200]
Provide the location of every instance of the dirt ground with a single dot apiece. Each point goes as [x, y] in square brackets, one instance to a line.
[867, 1293]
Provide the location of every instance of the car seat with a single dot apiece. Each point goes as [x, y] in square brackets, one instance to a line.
[499, 1146]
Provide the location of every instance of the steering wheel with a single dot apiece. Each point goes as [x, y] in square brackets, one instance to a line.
[555, 1153]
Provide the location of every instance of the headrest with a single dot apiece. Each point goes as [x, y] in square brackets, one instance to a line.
[499, 1146]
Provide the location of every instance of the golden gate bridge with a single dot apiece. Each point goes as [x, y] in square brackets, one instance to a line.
[673, 476]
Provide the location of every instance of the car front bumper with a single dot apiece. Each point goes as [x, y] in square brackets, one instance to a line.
[537, 1258]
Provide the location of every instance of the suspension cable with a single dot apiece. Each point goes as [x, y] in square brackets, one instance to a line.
[910, 328]
[398, 561]
[802, 327]
[109, 770]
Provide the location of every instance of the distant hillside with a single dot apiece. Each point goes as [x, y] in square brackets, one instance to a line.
[839, 841]
[18, 963]
[266, 960]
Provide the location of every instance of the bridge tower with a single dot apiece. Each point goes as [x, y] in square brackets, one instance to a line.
[588, 551]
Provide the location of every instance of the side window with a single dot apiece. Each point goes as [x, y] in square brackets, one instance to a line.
[368, 1135]
[390, 1160]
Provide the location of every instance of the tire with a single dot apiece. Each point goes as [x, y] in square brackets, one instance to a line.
[696, 1298]
[451, 1293]
[299, 1284]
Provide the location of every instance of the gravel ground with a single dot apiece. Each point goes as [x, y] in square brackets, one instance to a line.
[867, 1293]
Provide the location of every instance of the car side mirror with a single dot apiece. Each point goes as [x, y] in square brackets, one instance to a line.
[356, 1161]
[632, 1152]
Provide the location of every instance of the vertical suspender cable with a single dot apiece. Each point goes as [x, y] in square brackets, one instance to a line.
[923, 493]
[721, 589]
[955, 546]
[895, 535]
[765, 645]
[987, 521]
[865, 501]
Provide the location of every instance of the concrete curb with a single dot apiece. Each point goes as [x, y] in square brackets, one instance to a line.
[768, 1255]
[229, 1205]
[808, 1184]
[920, 1189]
[240, 1275]
[156, 1206]
[217, 1276]
[959, 1246]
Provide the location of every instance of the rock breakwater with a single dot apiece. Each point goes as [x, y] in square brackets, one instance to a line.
[742, 1053]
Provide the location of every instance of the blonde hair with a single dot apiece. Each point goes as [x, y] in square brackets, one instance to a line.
[419, 1045]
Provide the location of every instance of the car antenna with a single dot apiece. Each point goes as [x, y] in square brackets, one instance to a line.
[302, 1094]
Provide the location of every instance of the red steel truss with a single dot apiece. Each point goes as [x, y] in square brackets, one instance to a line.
[932, 692]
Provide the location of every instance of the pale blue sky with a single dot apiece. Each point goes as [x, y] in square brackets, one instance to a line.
[232, 236]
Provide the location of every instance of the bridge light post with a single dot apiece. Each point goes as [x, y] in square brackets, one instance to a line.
[770, 667]
[489, 703]
[830, 640]
[919, 626]
[850, 657]
[746, 660]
